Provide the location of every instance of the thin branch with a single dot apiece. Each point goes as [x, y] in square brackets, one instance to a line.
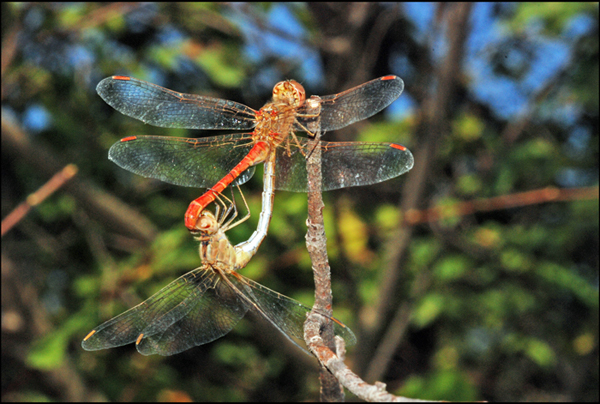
[316, 244]
[335, 364]
[56, 182]
[100, 205]
[537, 196]
[334, 372]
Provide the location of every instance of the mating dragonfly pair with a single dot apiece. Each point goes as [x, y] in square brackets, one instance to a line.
[207, 302]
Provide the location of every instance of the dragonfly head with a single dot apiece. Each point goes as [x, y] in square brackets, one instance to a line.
[289, 92]
[206, 226]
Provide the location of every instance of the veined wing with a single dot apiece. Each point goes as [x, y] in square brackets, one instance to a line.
[286, 314]
[355, 104]
[159, 106]
[344, 164]
[198, 163]
[193, 310]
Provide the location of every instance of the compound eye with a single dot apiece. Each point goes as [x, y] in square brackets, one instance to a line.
[206, 223]
[279, 88]
[289, 91]
[298, 91]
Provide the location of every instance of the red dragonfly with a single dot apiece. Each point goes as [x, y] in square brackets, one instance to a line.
[219, 161]
[206, 303]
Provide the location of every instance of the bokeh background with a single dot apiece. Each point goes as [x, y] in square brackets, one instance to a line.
[495, 300]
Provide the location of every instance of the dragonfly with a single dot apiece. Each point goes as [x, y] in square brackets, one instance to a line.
[206, 303]
[218, 161]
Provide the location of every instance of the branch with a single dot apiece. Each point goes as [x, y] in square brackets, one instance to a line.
[537, 196]
[335, 364]
[102, 206]
[334, 372]
[52, 185]
[316, 244]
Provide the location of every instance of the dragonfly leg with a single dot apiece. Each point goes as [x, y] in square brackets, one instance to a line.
[256, 155]
[227, 224]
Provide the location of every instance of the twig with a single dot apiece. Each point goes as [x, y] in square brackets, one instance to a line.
[57, 181]
[335, 364]
[318, 332]
[537, 196]
[101, 205]
[316, 245]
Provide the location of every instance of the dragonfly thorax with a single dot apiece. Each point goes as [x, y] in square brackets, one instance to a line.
[276, 119]
[215, 247]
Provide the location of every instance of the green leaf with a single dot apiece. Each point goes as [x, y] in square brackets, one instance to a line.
[445, 385]
[540, 352]
[428, 310]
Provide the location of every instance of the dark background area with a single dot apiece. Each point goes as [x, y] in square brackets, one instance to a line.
[450, 300]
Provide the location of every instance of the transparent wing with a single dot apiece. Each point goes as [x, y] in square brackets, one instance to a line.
[194, 309]
[198, 163]
[159, 106]
[344, 164]
[286, 314]
[355, 104]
